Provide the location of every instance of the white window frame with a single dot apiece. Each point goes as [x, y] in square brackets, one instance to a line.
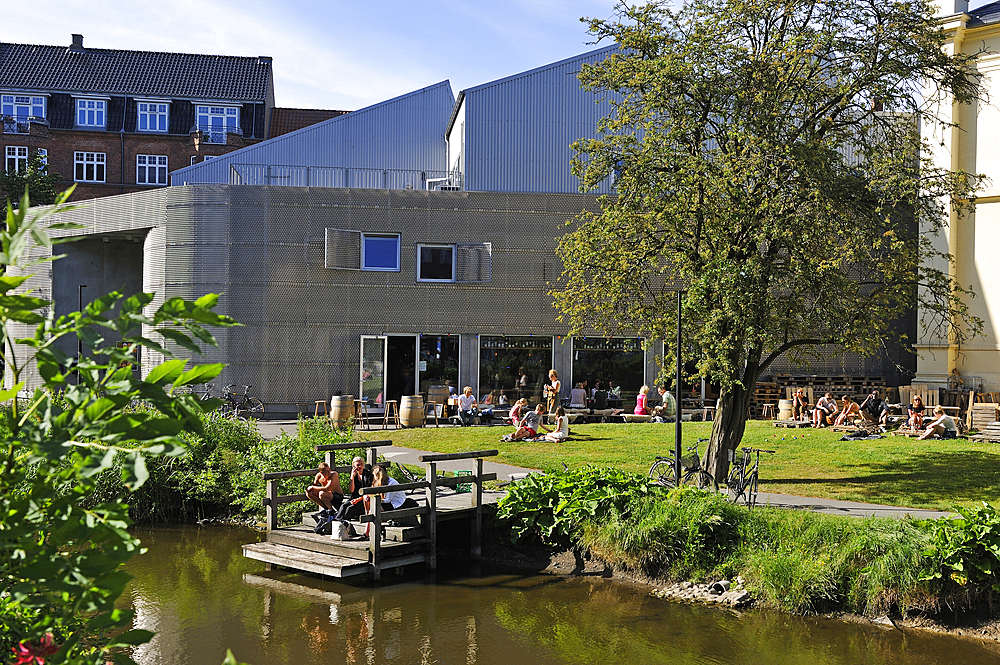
[433, 245]
[396, 236]
[155, 110]
[96, 160]
[18, 109]
[94, 110]
[151, 164]
[204, 114]
[16, 158]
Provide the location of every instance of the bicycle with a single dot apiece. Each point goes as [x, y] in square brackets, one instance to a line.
[743, 477]
[240, 405]
[662, 470]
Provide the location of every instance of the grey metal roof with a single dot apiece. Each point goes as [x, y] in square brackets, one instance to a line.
[985, 15]
[174, 75]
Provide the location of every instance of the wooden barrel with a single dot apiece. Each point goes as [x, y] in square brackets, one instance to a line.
[411, 411]
[341, 408]
[439, 395]
[784, 409]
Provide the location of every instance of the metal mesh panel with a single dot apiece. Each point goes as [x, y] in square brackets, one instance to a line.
[473, 263]
[288, 264]
[343, 249]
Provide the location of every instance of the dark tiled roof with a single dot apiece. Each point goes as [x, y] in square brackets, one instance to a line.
[288, 120]
[173, 75]
[985, 15]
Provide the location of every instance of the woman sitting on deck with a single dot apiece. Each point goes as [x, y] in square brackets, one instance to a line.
[849, 412]
[915, 414]
[577, 398]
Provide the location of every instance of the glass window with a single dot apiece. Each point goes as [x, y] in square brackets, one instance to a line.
[380, 252]
[610, 362]
[217, 121]
[517, 366]
[17, 158]
[17, 110]
[90, 112]
[436, 263]
[151, 169]
[88, 166]
[43, 153]
[438, 362]
[152, 117]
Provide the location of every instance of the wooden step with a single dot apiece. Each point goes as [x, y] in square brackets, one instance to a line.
[398, 534]
[311, 562]
[303, 538]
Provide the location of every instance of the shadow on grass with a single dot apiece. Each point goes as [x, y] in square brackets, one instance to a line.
[940, 477]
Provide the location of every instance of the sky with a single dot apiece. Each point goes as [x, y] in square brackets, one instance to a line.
[333, 54]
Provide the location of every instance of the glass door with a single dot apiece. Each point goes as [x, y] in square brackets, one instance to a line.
[373, 354]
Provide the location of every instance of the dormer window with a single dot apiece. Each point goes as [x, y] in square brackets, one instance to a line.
[215, 122]
[91, 113]
[19, 110]
[152, 116]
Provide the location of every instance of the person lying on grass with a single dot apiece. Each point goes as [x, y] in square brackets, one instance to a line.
[529, 425]
[943, 426]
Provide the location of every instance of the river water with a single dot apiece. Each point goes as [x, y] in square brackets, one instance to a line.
[195, 589]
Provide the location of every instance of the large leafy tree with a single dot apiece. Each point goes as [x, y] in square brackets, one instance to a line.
[767, 161]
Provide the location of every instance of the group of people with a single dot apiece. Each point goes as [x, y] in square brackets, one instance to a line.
[328, 493]
[873, 409]
[527, 425]
[666, 407]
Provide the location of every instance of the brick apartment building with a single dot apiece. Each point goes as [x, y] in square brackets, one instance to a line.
[116, 121]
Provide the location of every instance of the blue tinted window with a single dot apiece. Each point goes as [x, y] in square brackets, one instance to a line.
[381, 253]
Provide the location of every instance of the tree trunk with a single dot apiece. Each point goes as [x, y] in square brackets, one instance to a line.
[728, 428]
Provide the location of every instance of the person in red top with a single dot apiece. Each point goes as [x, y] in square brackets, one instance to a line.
[640, 402]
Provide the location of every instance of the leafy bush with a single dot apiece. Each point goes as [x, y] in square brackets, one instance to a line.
[967, 550]
[554, 506]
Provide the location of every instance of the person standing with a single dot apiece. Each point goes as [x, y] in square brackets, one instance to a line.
[553, 388]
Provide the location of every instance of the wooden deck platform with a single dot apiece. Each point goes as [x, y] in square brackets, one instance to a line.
[792, 423]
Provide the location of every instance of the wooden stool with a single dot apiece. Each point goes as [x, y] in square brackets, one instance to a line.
[434, 412]
[361, 415]
[767, 413]
[326, 412]
[391, 414]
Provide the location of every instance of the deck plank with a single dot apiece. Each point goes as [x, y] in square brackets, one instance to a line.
[311, 562]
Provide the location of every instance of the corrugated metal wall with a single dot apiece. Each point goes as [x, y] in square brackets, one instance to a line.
[405, 133]
[518, 130]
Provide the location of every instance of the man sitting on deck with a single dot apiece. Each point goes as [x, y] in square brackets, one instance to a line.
[874, 409]
[325, 491]
[361, 477]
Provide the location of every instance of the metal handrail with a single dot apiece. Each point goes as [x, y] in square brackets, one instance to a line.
[343, 176]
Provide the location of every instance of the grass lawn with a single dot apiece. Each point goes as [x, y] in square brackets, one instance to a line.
[894, 470]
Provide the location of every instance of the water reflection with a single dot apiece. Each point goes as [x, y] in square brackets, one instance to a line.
[201, 596]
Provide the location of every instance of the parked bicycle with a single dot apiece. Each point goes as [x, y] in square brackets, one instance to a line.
[240, 405]
[743, 476]
[662, 470]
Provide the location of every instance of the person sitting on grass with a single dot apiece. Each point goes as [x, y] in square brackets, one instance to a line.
[915, 414]
[849, 411]
[325, 491]
[874, 409]
[561, 431]
[529, 425]
[516, 411]
[942, 427]
[800, 406]
[826, 409]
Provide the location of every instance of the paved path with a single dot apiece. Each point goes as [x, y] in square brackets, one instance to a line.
[271, 428]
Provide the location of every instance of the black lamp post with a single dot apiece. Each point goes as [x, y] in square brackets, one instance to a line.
[677, 419]
[79, 342]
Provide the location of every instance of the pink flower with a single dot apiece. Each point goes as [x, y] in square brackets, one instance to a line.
[29, 653]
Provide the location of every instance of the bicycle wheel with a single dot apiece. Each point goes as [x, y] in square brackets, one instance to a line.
[227, 410]
[752, 489]
[252, 408]
[662, 473]
[700, 478]
[734, 484]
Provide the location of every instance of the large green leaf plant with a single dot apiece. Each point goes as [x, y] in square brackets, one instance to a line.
[60, 562]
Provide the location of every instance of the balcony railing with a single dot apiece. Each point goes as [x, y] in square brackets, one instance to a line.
[19, 124]
[338, 176]
[217, 134]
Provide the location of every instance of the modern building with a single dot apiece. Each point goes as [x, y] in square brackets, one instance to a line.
[970, 236]
[115, 121]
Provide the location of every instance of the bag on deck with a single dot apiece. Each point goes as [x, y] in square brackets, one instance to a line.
[341, 530]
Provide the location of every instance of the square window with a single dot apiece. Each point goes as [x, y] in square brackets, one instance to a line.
[152, 117]
[380, 252]
[17, 158]
[88, 166]
[151, 169]
[90, 112]
[435, 263]
[215, 122]
[19, 110]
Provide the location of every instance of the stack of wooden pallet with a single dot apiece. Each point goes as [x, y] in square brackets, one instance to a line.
[856, 386]
[990, 433]
[981, 415]
[765, 393]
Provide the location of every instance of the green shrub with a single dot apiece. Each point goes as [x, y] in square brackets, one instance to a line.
[967, 550]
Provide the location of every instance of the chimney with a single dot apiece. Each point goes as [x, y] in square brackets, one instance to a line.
[264, 59]
[77, 45]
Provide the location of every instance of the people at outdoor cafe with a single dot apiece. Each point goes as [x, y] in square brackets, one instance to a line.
[826, 409]
[578, 397]
[849, 410]
[467, 406]
[943, 426]
[800, 405]
[915, 414]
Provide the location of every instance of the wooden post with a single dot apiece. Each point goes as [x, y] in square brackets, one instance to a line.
[477, 520]
[331, 458]
[372, 457]
[375, 535]
[431, 491]
[272, 505]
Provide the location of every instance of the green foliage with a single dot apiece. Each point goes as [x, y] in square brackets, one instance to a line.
[967, 550]
[61, 548]
[36, 180]
[726, 143]
[554, 506]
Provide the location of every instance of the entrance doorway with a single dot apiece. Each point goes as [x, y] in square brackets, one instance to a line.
[388, 367]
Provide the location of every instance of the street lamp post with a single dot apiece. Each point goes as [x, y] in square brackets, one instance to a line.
[79, 342]
[677, 419]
